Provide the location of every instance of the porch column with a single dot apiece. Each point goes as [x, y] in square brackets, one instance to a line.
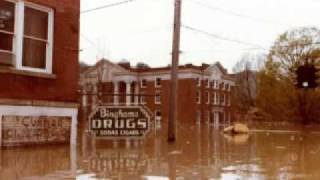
[136, 92]
[116, 93]
[128, 93]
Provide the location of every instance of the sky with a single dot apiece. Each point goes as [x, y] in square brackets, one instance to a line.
[141, 30]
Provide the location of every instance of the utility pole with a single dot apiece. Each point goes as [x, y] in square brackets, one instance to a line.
[173, 105]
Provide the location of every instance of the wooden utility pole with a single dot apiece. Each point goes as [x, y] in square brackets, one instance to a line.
[173, 105]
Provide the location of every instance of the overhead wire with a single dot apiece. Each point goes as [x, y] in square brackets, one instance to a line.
[229, 12]
[107, 6]
[221, 38]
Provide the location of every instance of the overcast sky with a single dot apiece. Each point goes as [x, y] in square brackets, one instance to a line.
[141, 30]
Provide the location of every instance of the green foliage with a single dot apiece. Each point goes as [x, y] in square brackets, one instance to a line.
[276, 93]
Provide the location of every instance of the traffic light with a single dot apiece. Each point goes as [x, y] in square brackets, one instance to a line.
[306, 76]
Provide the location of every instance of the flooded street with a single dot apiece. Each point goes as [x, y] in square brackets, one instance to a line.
[199, 153]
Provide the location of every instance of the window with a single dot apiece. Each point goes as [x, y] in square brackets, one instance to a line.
[207, 83]
[142, 98]
[222, 99]
[158, 114]
[158, 82]
[213, 98]
[198, 118]
[143, 83]
[198, 97]
[216, 98]
[157, 99]
[7, 15]
[208, 116]
[198, 82]
[208, 97]
[215, 84]
[30, 43]
[229, 100]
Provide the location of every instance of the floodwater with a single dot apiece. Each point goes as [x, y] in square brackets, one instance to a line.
[198, 153]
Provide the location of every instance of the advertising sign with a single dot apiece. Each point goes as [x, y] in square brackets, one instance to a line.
[120, 122]
[26, 130]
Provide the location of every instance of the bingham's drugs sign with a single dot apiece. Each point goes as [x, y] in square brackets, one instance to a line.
[120, 122]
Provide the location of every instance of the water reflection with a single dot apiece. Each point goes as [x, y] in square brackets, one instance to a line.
[199, 153]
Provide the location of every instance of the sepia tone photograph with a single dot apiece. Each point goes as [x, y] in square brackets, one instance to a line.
[159, 90]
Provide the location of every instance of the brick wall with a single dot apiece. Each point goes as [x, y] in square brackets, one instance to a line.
[65, 60]
[187, 95]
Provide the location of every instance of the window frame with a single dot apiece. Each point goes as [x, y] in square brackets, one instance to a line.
[13, 34]
[216, 98]
[207, 81]
[198, 117]
[142, 98]
[18, 36]
[215, 84]
[156, 82]
[156, 112]
[198, 82]
[142, 85]
[208, 97]
[157, 95]
[198, 97]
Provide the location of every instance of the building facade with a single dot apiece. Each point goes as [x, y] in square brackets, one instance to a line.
[204, 93]
[39, 47]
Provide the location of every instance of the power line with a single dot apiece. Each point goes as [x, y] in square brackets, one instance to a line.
[92, 43]
[222, 38]
[238, 14]
[107, 6]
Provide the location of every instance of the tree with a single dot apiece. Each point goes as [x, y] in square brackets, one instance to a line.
[277, 94]
[246, 81]
[296, 47]
[142, 65]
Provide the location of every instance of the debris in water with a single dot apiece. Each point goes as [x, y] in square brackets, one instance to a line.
[176, 152]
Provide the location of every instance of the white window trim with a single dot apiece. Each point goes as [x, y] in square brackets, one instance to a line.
[155, 98]
[19, 36]
[215, 84]
[208, 97]
[198, 82]
[198, 97]
[143, 99]
[155, 82]
[216, 98]
[208, 83]
[224, 100]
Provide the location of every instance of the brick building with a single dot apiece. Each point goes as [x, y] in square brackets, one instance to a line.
[39, 42]
[204, 94]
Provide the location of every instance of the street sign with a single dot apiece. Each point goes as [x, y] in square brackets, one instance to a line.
[119, 122]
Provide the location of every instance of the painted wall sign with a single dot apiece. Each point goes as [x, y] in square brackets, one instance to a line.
[26, 130]
[120, 122]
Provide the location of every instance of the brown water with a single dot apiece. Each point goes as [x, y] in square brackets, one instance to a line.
[199, 153]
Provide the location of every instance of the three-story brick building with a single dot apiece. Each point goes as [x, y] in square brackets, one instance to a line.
[204, 93]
